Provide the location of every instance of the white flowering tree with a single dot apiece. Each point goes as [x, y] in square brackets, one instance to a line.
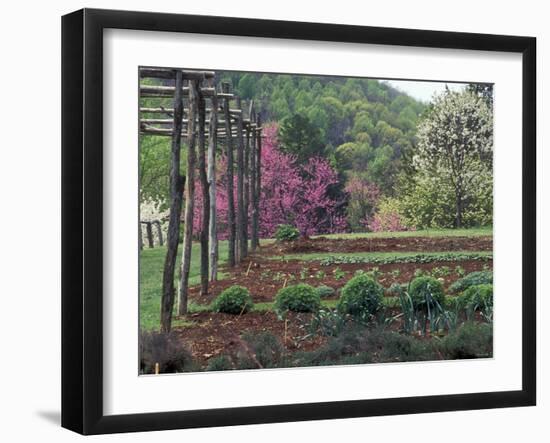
[455, 146]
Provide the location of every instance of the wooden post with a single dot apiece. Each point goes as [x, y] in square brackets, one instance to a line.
[253, 184]
[213, 228]
[229, 182]
[159, 232]
[205, 195]
[258, 177]
[189, 198]
[241, 226]
[176, 188]
[246, 190]
[150, 240]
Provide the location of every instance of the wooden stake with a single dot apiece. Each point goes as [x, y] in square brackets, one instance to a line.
[157, 368]
[189, 200]
[211, 176]
[230, 199]
[176, 188]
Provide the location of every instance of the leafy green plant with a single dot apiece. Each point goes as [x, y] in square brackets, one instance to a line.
[299, 298]
[375, 273]
[460, 271]
[325, 291]
[472, 279]
[361, 297]
[338, 274]
[233, 300]
[413, 258]
[320, 274]
[286, 233]
[303, 273]
[426, 292]
[478, 298]
[440, 271]
[327, 322]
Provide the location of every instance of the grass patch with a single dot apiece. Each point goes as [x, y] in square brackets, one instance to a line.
[470, 232]
[150, 282]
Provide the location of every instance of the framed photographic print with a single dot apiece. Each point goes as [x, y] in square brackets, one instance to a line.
[271, 221]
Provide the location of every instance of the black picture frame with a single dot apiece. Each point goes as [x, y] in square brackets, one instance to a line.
[82, 218]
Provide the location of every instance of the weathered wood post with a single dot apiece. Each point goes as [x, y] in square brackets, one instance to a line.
[246, 190]
[159, 232]
[241, 225]
[176, 188]
[258, 178]
[189, 197]
[229, 180]
[253, 184]
[205, 194]
[212, 144]
[149, 230]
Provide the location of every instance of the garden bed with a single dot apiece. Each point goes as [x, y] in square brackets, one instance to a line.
[265, 277]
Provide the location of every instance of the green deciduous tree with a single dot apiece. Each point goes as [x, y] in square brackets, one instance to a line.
[455, 145]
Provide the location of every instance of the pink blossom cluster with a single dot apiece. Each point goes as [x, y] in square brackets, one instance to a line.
[290, 193]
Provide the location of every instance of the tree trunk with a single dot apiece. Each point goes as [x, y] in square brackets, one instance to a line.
[241, 226]
[253, 182]
[246, 190]
[230, 197]
[205, 196]
[189, 199]
[150, 239]
[212, 228]
[258, 186]
[458, 215]
[159, 232]
[176, 188]
[140, 235]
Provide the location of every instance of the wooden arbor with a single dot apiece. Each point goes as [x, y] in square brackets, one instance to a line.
[195, 99]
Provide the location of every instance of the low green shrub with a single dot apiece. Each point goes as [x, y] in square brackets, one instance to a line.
[426, 293]
[361, 296]
[478, 297]
[286, 233]
[325, 291]
[233, 300]
[299, 298]
[165, 349]
[219, 363]
[472, 279]
[471, 340]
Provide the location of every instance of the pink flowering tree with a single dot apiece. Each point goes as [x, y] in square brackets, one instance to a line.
[293, 194]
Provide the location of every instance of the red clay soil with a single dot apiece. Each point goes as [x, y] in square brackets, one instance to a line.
[214, 334]
[394, 244]
[265, 277]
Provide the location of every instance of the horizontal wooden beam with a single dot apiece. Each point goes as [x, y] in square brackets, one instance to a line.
[169, 121]
[168, 91]
[164, 110]
[167, 132]
[170, 74]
